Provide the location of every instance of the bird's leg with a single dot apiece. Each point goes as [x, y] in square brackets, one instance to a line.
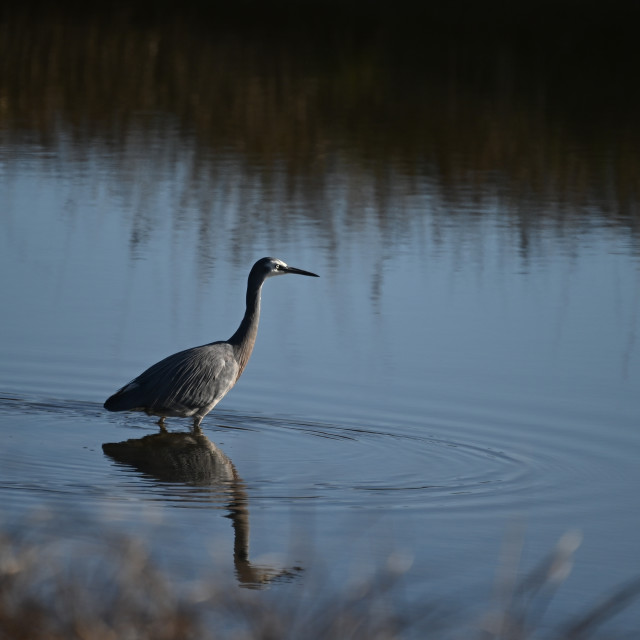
[163, 426]
[196, 423]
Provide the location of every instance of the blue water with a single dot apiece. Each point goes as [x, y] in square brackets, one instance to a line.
[438, 383]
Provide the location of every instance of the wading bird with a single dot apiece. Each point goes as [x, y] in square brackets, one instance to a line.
[190, 383]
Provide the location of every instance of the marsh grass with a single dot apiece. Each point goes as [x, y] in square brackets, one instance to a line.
[111, 588]
[471, 97]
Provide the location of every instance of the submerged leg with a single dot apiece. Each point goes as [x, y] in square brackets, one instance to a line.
[163, 426]
[196, 423]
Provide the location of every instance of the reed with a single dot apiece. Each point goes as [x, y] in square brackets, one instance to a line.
[519, 113]
[112, 589]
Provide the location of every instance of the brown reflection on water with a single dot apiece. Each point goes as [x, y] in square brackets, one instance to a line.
[546, 126]
[192, 459]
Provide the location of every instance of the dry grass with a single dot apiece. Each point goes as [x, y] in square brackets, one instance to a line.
[52, 591]
[449, 109]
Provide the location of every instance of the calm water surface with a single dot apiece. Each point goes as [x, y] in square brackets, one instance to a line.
[467, 360]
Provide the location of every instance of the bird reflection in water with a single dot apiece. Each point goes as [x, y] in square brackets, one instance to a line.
[191, 458]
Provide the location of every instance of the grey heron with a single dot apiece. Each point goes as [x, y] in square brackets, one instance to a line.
[191, 382]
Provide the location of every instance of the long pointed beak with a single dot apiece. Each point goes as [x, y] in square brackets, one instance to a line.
[300, 272]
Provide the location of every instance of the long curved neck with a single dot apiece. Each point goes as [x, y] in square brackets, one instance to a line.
[245, 337]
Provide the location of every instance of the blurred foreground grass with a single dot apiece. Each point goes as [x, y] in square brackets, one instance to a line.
[60, 591]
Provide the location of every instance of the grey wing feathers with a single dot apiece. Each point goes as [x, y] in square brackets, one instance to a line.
[181, 383]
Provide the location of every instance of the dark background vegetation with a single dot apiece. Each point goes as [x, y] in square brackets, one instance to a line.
[460, 87]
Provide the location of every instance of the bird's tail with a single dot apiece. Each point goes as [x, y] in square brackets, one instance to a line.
[124, 399]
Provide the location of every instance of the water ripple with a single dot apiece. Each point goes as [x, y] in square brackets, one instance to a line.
[493, 464]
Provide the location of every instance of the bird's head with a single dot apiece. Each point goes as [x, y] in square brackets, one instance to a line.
[268, 267]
